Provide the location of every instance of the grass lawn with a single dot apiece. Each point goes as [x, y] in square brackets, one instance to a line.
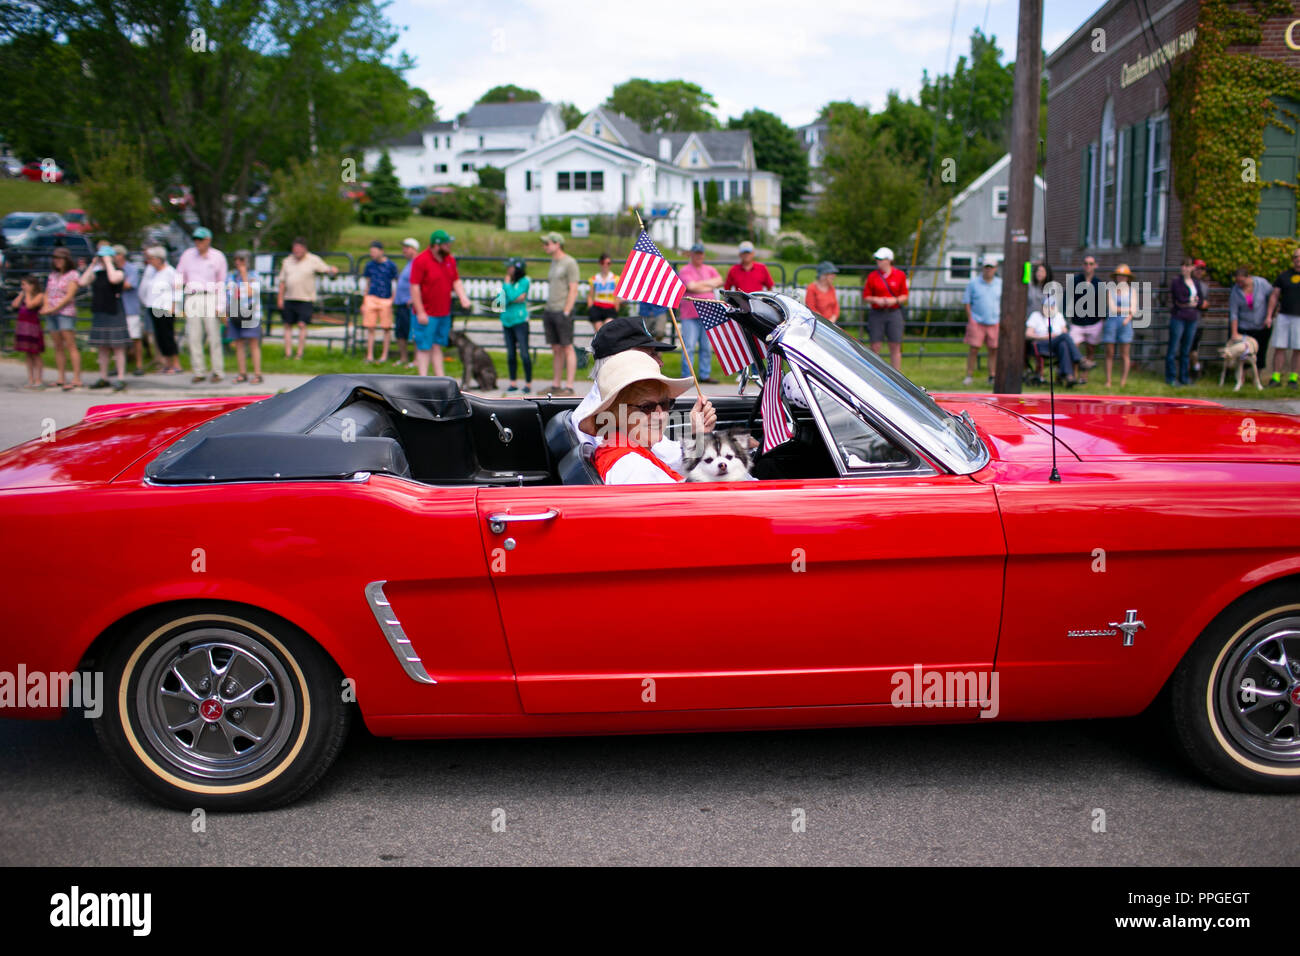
[940, 370]
[22, 195]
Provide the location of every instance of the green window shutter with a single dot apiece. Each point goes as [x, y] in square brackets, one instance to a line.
[1125, 212]
[1280, 161]
[1138, 185]
[1085, 195]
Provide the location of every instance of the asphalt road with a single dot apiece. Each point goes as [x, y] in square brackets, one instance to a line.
[988, 794]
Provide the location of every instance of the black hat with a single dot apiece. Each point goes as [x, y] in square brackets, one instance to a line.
[623, 333]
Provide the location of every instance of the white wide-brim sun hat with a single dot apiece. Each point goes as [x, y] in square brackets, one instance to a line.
[621, 370]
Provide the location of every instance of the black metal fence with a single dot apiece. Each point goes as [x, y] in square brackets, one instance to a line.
[935, 324]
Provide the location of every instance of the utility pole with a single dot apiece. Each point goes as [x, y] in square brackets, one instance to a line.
[1020, 197]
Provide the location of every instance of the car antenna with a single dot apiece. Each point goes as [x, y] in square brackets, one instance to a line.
[1051, 377]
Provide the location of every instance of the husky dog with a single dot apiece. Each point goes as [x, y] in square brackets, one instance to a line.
[1241, 355]
[721, 456]
[476, 361]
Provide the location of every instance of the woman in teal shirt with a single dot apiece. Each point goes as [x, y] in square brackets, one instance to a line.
[513, 301]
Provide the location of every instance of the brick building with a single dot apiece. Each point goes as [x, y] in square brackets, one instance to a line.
[1109, 167]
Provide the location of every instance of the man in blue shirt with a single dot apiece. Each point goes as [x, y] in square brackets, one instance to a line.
[983, 300]
[402, 303]
[379, 276]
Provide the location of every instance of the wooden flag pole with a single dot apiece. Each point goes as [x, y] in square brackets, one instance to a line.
[676, 328]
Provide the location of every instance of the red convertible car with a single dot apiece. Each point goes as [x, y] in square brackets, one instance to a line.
[450, 567]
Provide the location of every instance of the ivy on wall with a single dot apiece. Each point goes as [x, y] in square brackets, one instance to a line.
[1219, 108]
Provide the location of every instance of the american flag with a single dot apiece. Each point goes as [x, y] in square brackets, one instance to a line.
[647, 277]
[776, 428]
[728, 339]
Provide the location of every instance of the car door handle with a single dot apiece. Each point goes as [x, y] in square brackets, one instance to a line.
[497, 522]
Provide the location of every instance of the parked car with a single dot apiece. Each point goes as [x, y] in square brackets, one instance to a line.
[895, 540]
[37, 174]
[34, 255]
[12, 166]
[416, 195]
[22, 227]
[78, 221]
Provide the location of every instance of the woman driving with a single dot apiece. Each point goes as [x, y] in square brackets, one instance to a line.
[631, 418]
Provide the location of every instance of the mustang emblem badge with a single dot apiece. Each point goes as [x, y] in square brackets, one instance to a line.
[1129, 626]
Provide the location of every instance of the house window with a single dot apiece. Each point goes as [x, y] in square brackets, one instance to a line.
[1087, 190]
[449, 142]
[596, 127]
[440, 167]
[1279, 164]
[1109, 185]
[466, 167]
[1000, 197]
[528, 180]
[562, 182]
[744, 188]
[960, 266]
[597, 181]
[1157, 171]
[695, 157]
[580, 181]
[480, 142]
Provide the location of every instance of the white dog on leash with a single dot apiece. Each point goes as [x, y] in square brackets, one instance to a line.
[1241, 354]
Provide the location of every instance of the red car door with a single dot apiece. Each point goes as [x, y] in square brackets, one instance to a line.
[754, 594]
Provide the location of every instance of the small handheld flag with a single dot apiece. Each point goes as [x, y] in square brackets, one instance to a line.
[776, 428]
[728, 339]
[648, 277]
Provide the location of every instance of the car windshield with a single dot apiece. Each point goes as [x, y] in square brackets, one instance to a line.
[16, 221]
[74, 216]
[902, 402]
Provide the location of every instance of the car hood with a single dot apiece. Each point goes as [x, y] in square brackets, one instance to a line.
[106, 442]
[1097, 428]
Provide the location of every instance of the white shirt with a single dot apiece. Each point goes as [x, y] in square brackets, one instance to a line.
[1036, 325]
[632, 469]
[157, 290]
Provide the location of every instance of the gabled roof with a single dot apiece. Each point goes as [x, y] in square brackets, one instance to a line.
[595, 144]
[483, 115]
[413, 138]
[988, 174]
[722, 147]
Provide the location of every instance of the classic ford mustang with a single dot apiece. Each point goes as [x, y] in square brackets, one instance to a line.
[261, 568]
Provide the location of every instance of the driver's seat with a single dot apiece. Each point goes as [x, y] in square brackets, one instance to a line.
[576, 467]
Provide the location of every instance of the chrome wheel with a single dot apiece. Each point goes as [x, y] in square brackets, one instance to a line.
[1258, 691]
[215, 702]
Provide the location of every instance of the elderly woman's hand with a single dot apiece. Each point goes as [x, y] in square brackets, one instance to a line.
[703, 416]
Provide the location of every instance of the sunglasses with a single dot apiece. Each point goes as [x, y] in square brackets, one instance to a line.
[649, 408]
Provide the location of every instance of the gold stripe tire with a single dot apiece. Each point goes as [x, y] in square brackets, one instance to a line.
[1223, 733]
[257, 702]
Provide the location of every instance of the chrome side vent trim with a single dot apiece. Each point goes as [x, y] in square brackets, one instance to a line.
[393, 633]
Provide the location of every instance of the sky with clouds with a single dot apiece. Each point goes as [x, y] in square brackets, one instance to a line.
[785, 56]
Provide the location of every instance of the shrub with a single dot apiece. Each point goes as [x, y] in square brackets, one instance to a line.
[467, 203]
[306, 201]
[728, 222]
[795, 247]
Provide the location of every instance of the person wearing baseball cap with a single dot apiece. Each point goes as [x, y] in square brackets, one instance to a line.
[380, 278]
[402, 303]
[557, 316]
[748, 275]
[631, 416]
[885, 292]
[983, 302]
[702, 282]
[108, 330]
[820, 295]
[202, 272]
[434, 277]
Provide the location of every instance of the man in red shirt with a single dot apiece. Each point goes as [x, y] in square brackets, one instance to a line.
[434, 277]
[885, 293]
[748, 275]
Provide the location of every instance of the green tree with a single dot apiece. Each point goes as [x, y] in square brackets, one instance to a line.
[510, 93]
[571, 115]
[871, 199]
[670, 105]
[306, 200]
[212, 89]
[492, 177]
[387, 200]
[112, 187]
[777, 149]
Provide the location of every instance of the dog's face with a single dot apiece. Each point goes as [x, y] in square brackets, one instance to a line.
[459, 340]
[721, 456]
[1240, 351]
